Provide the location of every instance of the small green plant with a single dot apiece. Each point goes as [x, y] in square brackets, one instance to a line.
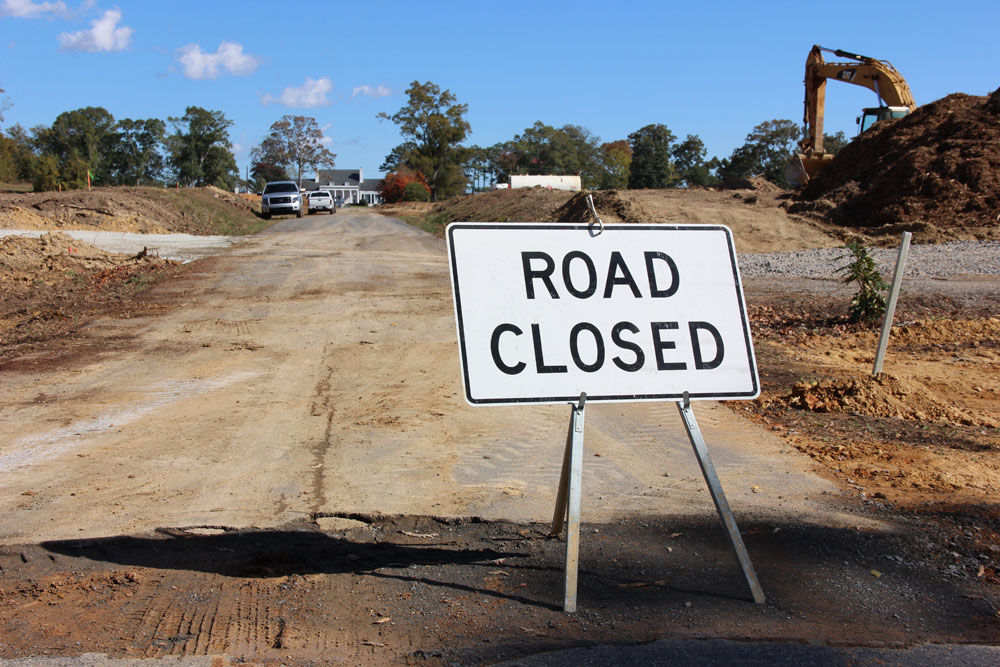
[869, 302]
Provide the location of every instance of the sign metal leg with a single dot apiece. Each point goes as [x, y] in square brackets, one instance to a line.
[719, 497]
[568, 501]
[559, 515]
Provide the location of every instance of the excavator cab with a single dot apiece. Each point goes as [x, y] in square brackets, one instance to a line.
[869, 117]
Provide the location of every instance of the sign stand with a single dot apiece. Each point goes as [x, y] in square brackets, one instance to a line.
[568, 500]
[608, 338]
[567, 510]
[719, 497]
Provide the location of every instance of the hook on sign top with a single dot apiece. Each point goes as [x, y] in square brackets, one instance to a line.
[593, 213]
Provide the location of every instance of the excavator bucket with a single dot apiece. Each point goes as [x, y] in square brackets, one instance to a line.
[801, 168]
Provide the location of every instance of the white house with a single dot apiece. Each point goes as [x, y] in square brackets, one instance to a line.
[346, 185]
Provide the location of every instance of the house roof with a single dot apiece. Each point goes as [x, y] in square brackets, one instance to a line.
[341, 178]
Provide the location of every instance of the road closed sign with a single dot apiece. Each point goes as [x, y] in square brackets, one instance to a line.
[633, 313]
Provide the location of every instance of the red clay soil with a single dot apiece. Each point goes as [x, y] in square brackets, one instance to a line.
[938, 167]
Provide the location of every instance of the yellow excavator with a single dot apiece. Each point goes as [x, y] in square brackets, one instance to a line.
[894, 96]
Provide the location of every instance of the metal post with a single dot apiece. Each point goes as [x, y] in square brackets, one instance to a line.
[559, 515]
[719, 497]
[890, 309]
[568, 501]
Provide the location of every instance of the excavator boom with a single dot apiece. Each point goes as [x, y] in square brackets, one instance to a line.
[876, 75]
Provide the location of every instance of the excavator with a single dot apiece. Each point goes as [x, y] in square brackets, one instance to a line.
[894, 96]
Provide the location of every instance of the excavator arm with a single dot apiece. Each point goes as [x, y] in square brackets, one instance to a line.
[876, 75]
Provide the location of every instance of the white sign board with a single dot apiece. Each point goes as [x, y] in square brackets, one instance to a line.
[634, 313]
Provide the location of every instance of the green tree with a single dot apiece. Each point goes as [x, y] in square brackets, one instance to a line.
[81, 140]
[16, 155]
[433, 126]
[199, 151]
[5, 104]
[617, 159]
[651, 166]
[44, 173]
[765, 153]
[295, 143]
[267, 163]
[480, 167]
[689, 162]
[570, 149]
[137, 153]
[832, 143]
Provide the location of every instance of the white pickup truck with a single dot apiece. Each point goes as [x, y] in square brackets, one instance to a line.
[320, 200]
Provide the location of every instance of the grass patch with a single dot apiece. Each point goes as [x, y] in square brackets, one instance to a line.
[211, 212]
[432, 223]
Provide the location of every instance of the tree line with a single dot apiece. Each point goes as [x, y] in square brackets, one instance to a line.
[90, 145]
[433, 127]
[432, 162]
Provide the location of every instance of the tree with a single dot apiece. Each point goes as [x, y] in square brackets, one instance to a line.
[295, 142]
[832, 143]
[404, 185]
[81, 141]
[543, 149]
[44, 173]
[267, 163]
[651, 152]
[433, 126]
[689, 162]
[199, 150]
[765, 153]
[617, 159]
[5, 104]
[137, 153]
[480, 167]
[16, 155]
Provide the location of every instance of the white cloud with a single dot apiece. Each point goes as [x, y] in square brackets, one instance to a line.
[26, 9]
[310, 94]
[325, 140]
[229, 57]
[104, 35]
[379, 91]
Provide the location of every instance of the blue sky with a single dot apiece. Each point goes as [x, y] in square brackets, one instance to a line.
[714, 69]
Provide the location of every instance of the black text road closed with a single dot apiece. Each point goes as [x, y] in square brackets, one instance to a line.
[637, 312]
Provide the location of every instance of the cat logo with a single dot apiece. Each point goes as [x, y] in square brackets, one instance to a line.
[847, 74]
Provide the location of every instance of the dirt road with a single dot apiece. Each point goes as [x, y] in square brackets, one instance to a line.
[186, 488]
[314, 371]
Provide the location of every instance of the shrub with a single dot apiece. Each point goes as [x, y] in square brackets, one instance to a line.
[416, 191]
[394, 186]
[868, 303]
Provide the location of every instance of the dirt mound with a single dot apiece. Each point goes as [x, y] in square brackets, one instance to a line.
[132, 209]
[48, 285]
[24, 258]
[611, 205]
[936, 171]
[881, 396]
[520, 205]
[756, 216]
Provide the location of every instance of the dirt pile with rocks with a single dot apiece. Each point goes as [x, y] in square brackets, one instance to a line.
[882, 395]
[51, 285]
[25, 259]
[935, 172]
